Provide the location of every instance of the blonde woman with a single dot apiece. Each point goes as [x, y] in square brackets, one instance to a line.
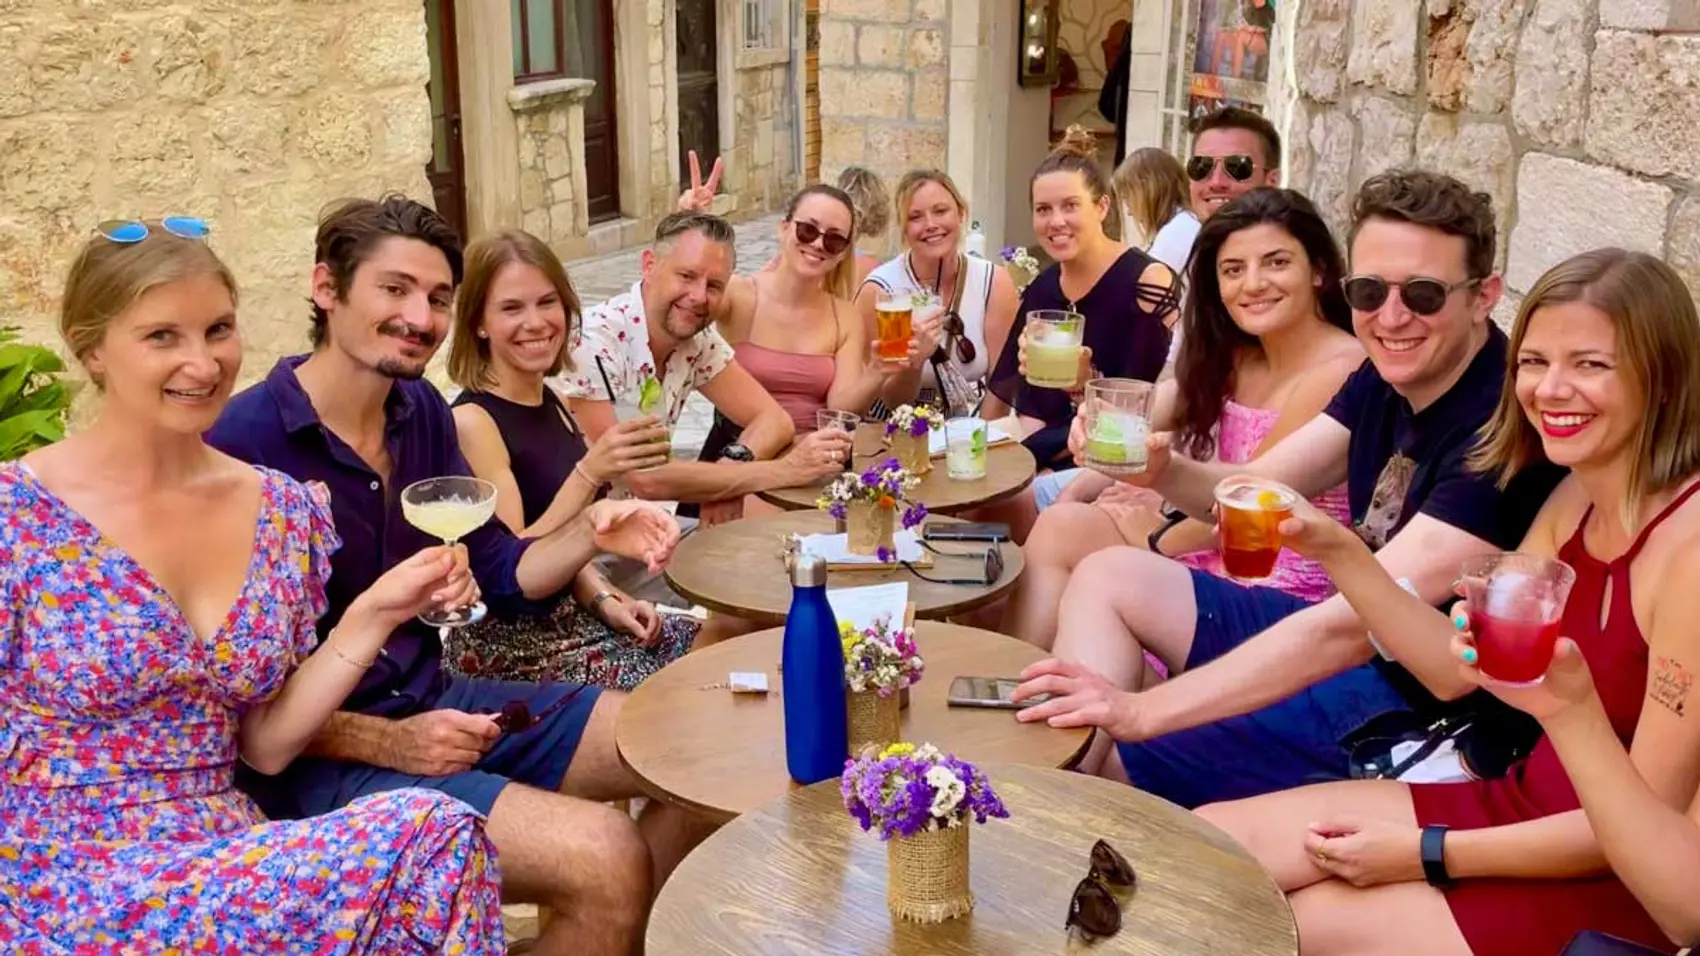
[977, 300]
[158, 611]
[1152, 190]
[515, 314]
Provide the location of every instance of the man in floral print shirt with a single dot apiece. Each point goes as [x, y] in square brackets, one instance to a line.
[665, 323]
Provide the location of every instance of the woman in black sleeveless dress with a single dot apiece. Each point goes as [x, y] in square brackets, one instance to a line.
[513, 325]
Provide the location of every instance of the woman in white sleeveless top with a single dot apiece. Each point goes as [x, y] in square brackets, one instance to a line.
[978, 300]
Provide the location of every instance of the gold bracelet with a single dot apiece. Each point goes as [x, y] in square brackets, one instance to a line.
[363, 665]
[580, 473]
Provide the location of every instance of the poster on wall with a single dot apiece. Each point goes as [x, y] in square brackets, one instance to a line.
[1230, 66]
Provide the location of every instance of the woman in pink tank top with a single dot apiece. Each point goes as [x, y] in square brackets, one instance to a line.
[1266, 342]
[793, 326]
[1604, 379]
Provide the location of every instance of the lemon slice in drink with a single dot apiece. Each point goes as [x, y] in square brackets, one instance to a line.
[1269, 500]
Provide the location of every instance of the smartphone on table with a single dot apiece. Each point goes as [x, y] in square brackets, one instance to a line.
[990, 692]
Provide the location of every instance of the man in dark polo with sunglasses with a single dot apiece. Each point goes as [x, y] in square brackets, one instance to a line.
[1266, 692]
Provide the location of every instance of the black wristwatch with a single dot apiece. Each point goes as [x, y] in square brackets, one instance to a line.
[1434, 856]
[1170, 519]
[737, 451]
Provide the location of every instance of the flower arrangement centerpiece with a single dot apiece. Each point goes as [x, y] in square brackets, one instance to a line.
[879, 663]
[922, 801]
[1022, 267]
[867, 504]
[906, 431]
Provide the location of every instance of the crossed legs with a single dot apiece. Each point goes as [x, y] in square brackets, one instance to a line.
[1334, 917]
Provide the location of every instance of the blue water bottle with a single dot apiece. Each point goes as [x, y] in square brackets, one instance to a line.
[817, 731]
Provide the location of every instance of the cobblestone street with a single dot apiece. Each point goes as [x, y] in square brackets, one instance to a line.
[603, 277]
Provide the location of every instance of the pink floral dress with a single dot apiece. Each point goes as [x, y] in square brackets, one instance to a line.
[120, 830]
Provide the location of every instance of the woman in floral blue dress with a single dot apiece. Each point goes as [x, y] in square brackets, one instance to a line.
[157, 610]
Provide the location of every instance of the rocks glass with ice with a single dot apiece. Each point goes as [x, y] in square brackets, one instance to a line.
[1249, 512]
[1117, 412]
[1516, 606]
[1053, 341]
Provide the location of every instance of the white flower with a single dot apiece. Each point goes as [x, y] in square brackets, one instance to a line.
[948, 790]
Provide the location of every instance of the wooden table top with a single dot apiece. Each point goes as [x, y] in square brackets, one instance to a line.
[1009, 469]
[691, 741]
[738, 568]
[799, 876]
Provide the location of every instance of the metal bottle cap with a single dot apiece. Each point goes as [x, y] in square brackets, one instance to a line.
[809, 571]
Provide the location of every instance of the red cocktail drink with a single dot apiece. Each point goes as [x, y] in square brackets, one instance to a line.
[1516, 612]
[1516, 652]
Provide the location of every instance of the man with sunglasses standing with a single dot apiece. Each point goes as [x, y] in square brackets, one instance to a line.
[1266, 691]
[536, 760]
[1234, 151]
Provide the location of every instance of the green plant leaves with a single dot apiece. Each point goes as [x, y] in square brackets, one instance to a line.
[34, 403]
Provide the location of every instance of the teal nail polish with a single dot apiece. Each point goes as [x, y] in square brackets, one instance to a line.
[1469, 655]
[1460, 622]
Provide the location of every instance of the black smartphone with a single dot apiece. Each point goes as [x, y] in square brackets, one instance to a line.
[955, 531]
[992, 692]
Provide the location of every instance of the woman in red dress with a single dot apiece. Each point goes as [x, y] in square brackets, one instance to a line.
[1605, 380]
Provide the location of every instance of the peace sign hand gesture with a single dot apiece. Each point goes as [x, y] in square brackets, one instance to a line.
[700, 196]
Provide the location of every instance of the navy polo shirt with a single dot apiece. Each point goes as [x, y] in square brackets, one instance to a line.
[274, 424]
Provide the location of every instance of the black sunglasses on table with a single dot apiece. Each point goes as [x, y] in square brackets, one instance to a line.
[1093, 909]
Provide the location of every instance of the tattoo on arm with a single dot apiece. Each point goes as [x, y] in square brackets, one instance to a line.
[1670, 685]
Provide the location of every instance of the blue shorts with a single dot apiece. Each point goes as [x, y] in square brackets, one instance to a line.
[1048, 487]
[1284, 745]
[538, 757]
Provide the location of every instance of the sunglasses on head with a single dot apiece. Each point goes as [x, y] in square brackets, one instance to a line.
[516, 716]
[1421, 295]
[832, 243]
[1239, 167]
[1093, 909]
[130, 231]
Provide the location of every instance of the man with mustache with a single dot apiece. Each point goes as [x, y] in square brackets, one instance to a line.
[356, 416]
[663, 329]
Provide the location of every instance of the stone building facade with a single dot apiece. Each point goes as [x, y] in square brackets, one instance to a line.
[1577, 116]
[884, 81]
[252, 116]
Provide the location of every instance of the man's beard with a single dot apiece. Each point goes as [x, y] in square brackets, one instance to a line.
[402, 368]
[683, 329]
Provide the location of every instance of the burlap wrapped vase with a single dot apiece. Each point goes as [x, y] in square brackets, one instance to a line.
[870, 527]
[873, 720]
[927, 880]
[912, 451]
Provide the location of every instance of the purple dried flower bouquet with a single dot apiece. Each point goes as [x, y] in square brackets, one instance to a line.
[881, 486]
[915, 420]
[906, 790]
[880, 659]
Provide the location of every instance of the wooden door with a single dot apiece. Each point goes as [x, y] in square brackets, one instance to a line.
[594, 35]
[699, 93]
[447, 169]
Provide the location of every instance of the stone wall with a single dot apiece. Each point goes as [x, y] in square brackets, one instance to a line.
[883, 81]
[1578, 116]
[764, 128]
[253, 116]
[549, 120]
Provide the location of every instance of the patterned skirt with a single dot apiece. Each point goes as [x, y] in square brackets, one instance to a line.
[571, 645]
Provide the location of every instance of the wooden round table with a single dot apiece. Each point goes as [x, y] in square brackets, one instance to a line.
[691, 741]
[799, 876]
[738, 568]
[1009, 469]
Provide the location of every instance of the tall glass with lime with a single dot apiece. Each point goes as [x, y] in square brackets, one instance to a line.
[645, 402]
